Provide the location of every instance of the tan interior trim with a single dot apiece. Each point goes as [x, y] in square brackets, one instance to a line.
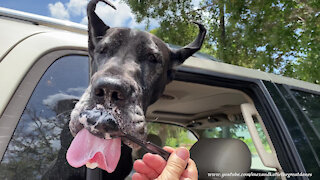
[268, 159]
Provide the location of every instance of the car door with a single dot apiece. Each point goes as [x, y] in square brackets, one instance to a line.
[300, 110]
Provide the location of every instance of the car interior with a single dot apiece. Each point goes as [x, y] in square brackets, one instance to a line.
[215, 123]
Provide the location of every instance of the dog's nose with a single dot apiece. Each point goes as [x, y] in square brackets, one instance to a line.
[113, 89]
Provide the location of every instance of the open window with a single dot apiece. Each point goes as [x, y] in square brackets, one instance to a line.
[212, 112]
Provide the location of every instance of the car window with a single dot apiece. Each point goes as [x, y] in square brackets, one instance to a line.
[241, 132]
[310, 105]
[38, 146]
[302, 131]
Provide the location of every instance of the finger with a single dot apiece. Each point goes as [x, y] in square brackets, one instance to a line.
[191, 172]
[138, 176]
[183, 178]
[155, 162]
[185, 174]
[169, 149]
[140, 167]
[176, 164]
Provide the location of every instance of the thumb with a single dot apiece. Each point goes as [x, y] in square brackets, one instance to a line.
[176, 165]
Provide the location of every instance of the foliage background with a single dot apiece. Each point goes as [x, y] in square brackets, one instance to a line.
[280, 37]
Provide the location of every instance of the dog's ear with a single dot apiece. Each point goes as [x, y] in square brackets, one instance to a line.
[96, 27]
[180, 55]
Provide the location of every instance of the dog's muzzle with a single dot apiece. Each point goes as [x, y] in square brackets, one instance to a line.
[100, 122]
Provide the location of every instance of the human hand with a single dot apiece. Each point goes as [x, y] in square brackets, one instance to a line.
[155, 167]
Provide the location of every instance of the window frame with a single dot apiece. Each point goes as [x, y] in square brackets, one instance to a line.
[14, 110]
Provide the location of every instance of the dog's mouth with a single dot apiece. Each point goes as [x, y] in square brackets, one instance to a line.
[98, 143]
[92, 151]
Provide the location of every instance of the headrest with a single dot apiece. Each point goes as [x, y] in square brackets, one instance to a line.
[221, 155]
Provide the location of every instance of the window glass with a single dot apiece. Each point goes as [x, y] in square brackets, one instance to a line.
[38, 147]
[310, 104]
[240, 131]
[302, 132]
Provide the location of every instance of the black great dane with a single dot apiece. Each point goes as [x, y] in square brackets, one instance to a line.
[130, 70]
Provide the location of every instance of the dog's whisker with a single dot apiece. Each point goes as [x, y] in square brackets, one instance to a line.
[155, 119]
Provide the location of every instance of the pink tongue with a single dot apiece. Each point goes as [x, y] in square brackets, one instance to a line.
[86, 147]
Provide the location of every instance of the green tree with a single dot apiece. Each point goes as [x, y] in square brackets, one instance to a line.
[281, 37]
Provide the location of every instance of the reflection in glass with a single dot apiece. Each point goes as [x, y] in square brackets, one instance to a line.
[37, 148]
[310, 104]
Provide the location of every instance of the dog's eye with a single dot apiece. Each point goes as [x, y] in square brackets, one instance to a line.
[153, 58]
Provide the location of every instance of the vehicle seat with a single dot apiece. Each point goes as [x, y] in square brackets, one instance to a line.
[221, 155]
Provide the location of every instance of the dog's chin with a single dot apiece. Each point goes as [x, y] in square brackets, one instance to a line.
[130, 121]
[135, 126]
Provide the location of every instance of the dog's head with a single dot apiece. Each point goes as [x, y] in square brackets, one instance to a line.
[130, 69]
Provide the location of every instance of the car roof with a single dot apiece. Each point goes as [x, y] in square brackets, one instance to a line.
[233, 70]
[41, 24]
